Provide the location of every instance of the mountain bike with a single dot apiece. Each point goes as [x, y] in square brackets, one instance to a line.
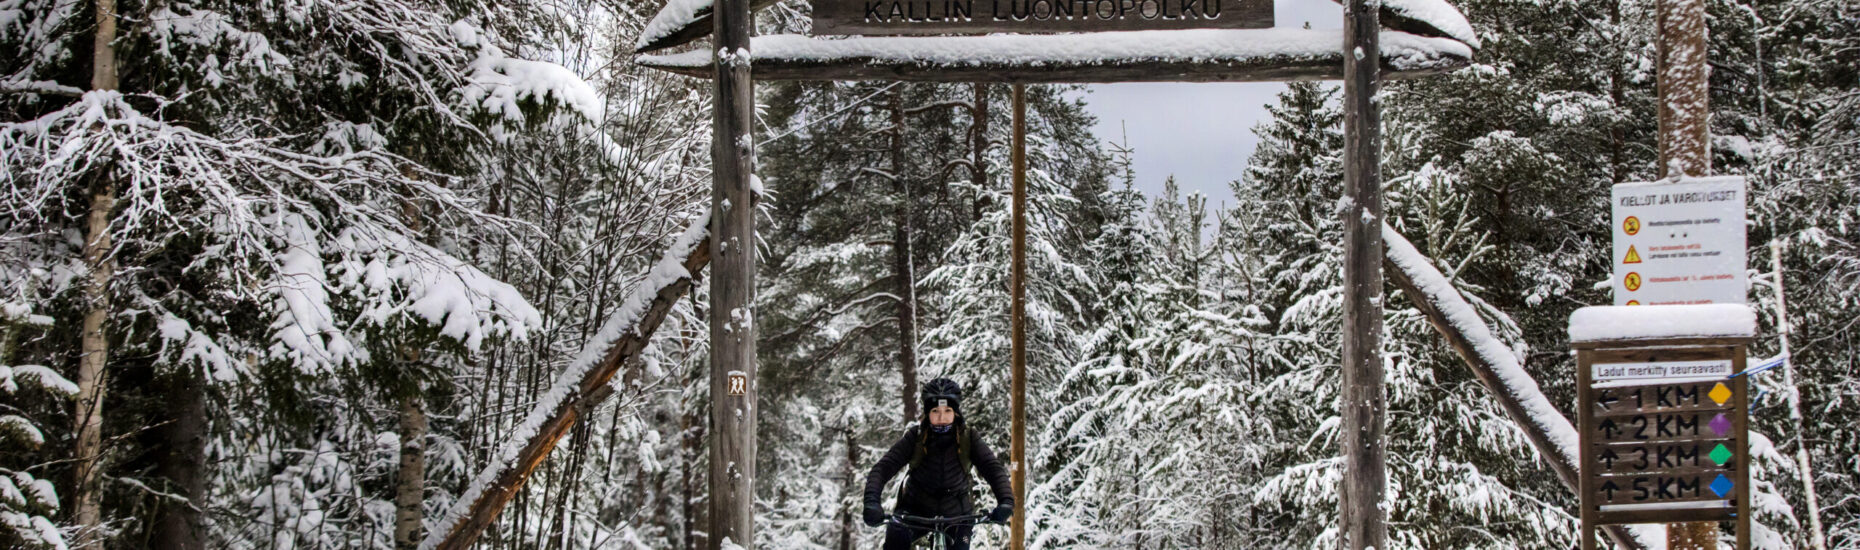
[939, 527]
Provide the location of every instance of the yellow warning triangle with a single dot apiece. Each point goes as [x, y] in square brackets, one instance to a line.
[1633, 256]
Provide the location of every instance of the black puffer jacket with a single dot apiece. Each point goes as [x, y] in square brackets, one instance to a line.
[938, 487]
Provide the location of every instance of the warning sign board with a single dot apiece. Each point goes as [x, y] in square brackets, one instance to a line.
[1679, 243]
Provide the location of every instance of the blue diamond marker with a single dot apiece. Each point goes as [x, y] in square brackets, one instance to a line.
[1722, 485]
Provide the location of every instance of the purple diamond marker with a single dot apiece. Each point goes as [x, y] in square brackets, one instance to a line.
[1720, 425]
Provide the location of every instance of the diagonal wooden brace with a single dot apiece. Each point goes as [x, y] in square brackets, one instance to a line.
[1404, 270]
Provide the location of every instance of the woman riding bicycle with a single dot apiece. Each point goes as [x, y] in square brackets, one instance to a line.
[940, 450]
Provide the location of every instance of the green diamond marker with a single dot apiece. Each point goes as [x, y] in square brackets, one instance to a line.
[1721, 454]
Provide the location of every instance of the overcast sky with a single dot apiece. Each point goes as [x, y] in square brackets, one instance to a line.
[1201, 133]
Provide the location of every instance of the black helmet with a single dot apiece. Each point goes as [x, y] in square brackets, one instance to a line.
[942, 391]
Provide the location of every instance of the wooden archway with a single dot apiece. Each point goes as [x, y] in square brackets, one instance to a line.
[1405, 39]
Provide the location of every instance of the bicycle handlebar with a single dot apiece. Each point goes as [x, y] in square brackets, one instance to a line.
[908, 520]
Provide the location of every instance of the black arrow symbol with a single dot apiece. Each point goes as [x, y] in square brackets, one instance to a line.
[1609, 488]
[1607, 398]
[1608, 458]
[1608, 428]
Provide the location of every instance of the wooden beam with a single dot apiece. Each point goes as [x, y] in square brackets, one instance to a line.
[588, 393]
[1362, 514]
[1254, 55]
[1487, 372]
[733, 386]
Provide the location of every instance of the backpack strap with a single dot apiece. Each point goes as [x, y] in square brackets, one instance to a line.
[963, 436]
[923, 448]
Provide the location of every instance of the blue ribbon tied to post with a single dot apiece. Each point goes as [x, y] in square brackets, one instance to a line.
[1767, 364]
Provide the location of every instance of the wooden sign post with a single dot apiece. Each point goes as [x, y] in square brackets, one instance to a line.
[1663, 416]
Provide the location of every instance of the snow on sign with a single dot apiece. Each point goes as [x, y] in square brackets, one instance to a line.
[1679, 243]
[888, 17]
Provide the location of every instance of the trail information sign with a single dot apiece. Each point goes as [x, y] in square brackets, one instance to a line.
[1663, 435]
[900, 17]
[1679, 243]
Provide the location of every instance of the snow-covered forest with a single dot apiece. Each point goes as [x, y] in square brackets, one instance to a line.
[289, 273]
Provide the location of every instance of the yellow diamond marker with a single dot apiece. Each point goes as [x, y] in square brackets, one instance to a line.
[1720, 393]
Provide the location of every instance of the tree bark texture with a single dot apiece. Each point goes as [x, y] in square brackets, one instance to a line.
[410, 478]
[902, 271]
[1362, 518]
[691, 480]
[1017, 317]
[87, 511]
[849, 486]
[1684, 112]
[733, 284]
[182, 463]
[978, 148]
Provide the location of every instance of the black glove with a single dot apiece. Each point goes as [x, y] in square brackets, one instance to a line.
[1001, 514]
[874, 515]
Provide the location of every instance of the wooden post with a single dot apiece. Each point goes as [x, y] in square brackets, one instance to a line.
[1585, 485]
[1684, 149]
[1017, 286]
[732, 285]
[1817, 538]
[1362, 518]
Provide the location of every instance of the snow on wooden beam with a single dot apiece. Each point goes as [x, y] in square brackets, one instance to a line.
[1427, 18]
[576, 392]
[1201, 55]
[1549, 432]
[682, 22]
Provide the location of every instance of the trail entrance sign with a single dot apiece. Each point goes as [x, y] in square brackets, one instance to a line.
[1662, 415]
[1679, 243]
[881, 17]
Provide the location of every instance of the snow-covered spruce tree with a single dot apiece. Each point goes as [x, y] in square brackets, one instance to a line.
[1789, 112]
[27, 502]
[968, 337]
[1443, 462]
[605, 195]
[279, 215]
[867, 194]
[1162, 403]
[1562, 106]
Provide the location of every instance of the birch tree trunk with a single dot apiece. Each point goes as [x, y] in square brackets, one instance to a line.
[88, 509]
[410, 479]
